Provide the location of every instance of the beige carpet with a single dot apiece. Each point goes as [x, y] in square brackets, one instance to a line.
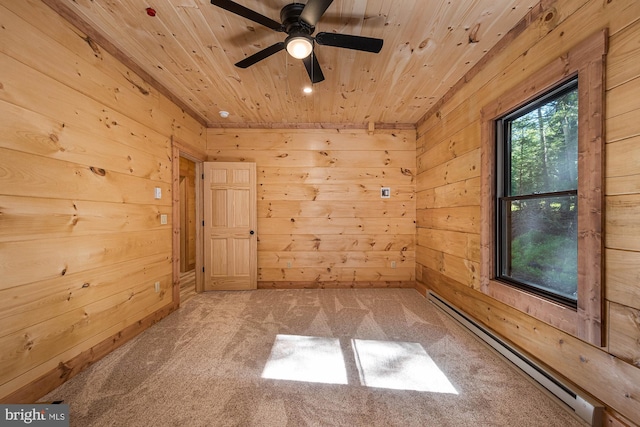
[379, 357]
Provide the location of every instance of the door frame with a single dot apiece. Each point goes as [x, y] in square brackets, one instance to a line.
[198, 156]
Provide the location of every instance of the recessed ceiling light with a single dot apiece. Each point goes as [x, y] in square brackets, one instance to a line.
[224, 114]
[307, 89]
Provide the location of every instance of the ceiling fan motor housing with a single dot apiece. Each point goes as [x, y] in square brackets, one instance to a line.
[290, 18]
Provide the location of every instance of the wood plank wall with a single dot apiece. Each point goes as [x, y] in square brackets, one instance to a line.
[83, 144]
[321, 221]
[448, 197]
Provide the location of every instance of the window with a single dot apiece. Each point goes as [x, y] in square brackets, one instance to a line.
[536, 195]
[542, 193]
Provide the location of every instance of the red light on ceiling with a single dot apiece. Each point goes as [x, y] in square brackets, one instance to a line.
[151, 11]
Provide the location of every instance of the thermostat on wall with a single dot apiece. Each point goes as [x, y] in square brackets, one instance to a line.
[385, 193]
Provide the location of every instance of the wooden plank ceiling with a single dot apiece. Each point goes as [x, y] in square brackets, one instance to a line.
[189, 48]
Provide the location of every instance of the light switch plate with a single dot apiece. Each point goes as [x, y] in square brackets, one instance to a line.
[158, 193]
[163, 219]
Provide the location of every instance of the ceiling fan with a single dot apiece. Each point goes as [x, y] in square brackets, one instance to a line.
[298, 22]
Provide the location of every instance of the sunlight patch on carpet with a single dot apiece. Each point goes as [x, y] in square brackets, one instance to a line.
[399, 366]
[380, 364]
[309, 359]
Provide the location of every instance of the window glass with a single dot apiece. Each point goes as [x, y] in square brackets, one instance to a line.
[544, 146]
[541, 250]
[537, 201]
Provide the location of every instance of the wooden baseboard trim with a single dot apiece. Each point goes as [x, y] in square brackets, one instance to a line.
[33, 391]
[336, 285]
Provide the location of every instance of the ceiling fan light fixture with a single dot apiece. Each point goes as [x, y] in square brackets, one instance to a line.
[299, 45]
[299, 21]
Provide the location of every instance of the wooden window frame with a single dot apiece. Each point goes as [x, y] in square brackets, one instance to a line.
[587, 61]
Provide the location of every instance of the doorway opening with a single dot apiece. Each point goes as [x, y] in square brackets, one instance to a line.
[188, 220]
[187, 253]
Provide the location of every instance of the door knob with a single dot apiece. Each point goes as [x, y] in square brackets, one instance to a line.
[252, 232]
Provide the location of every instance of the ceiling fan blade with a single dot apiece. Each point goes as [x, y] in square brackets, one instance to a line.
[313, 68]
[259, 56]
[248, 13]
[313, 11]
[366, 44]
[344, 21]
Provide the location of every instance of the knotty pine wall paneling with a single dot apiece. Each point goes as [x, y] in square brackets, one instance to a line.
[448, 196]
[321, 221]
[83, 144]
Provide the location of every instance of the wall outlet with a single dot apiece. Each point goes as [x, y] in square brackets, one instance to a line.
[163, 219]
[393, 264]
[385, 193]
[288, 264]
[157, 287]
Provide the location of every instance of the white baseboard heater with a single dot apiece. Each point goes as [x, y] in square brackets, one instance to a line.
[584, 407]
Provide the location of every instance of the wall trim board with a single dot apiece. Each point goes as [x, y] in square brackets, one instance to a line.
[336, 285]
[94, 36]
[328, 126]
[175, 224]
[33, 391]
[189, 151]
